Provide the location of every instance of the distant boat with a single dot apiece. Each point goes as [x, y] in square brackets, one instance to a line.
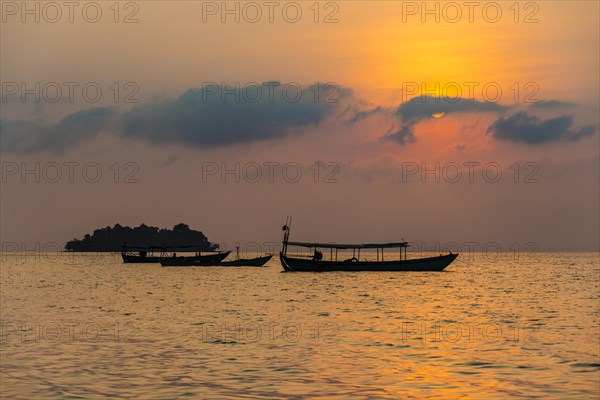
[248, 262]
[316, 263]
[154, 254]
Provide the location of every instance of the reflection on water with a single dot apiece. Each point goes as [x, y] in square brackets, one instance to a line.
[77, 326]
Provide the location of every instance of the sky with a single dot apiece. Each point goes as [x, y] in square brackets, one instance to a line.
[440, 123]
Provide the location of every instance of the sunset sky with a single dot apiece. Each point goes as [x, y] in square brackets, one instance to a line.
[386, 91]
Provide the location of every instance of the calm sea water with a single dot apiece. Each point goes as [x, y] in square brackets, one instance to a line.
[88, 326]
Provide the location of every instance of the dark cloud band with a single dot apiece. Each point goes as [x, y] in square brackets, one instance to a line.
[530, 129]
[206, 117]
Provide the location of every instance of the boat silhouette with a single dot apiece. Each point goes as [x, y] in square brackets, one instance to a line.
[154, 254]
[316, 262]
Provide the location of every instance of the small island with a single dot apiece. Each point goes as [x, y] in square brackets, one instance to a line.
[112, 239]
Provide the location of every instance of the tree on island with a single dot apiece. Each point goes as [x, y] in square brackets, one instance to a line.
[112, 239]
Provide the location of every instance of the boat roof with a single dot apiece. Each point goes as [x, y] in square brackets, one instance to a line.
[349, 246]
[165, 248]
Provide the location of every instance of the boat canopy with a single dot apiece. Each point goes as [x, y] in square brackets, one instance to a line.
[164, 248]
[349, 246]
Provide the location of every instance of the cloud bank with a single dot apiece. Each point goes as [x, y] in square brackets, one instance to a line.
[222, 115]
[530, 129]
[421, 108]
[33, 136]
[205, 117]
[201, 117]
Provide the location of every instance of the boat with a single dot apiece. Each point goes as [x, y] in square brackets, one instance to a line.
[316, 262]
[243, 262]
[154, 254]
[238, 262]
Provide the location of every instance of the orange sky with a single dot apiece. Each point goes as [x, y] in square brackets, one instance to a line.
[369, 48]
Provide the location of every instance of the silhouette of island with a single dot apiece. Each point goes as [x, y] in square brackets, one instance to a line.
[112, 239]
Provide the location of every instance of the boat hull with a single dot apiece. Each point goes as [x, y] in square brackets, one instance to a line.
[130, 259]
[252, 262]
[127, 258]
[437, 263]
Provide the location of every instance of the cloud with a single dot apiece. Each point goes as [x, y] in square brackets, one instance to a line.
[221, 115]
[33, 136]
[403, 135]
[201, 117]
[425, 106]
[207, 117]
[551, 104]
[530, 129]
[359, 115]
[520, 127]
[421, 108]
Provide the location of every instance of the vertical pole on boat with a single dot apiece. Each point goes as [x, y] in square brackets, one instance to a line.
[237, 250]
[382, 254]
[336, 254]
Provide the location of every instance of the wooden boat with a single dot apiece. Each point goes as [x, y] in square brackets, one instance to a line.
[154, 254]
[316, 263]
[248, 262]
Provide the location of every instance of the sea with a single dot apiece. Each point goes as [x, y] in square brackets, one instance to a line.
[87, 326]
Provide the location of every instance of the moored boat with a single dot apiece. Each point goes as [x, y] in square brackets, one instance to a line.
[248, 262]
[154, 254]
[316, 263]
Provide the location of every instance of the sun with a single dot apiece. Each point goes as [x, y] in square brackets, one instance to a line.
[438, 115]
